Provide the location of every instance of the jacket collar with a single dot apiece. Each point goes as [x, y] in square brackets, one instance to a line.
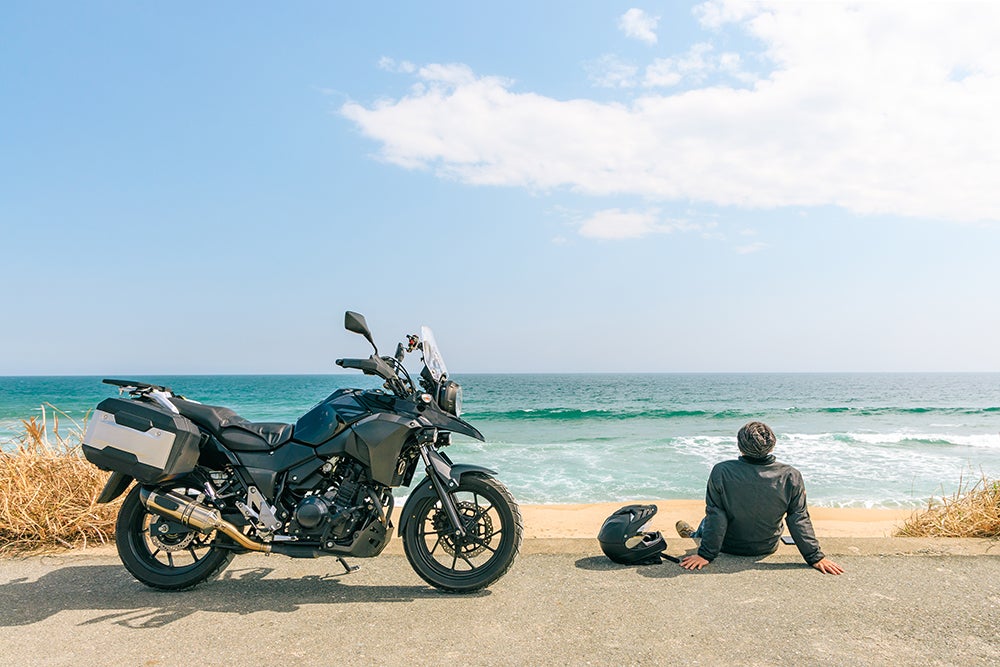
[762, 461]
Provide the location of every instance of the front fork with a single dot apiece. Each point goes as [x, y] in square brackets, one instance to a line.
[439, 472]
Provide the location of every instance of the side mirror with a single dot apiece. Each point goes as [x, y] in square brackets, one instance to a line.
[355, 322]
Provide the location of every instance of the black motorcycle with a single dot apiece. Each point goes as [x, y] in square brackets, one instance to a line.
[211, 484]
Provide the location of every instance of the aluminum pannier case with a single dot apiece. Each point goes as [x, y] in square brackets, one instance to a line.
[141, 440]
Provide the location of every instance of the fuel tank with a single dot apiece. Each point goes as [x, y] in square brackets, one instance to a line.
[331, 416]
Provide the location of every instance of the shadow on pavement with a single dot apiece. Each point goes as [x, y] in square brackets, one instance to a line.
[602, 564]
[131, 604]
[725, 564]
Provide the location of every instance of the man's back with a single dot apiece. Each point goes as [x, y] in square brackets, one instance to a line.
[746, 500]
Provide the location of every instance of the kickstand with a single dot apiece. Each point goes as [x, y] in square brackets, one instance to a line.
[348, 568]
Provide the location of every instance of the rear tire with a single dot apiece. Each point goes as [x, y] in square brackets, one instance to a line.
[162, 553]
[493, 536]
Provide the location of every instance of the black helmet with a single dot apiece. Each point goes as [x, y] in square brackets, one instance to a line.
[622, 541]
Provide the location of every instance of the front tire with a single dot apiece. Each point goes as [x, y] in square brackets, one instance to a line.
[464, 564]
[162, 553]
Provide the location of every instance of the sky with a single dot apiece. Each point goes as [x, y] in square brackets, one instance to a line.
[552, 187]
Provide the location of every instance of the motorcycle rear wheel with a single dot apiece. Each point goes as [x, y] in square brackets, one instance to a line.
[162, 553]
[493, 528]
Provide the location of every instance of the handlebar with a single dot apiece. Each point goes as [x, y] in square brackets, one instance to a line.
[367, 366]
[389, 369]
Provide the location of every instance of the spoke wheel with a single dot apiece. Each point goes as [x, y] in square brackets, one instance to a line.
[461, 564]
[163, 553]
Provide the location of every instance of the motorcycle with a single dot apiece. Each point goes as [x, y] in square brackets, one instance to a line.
[211, 484]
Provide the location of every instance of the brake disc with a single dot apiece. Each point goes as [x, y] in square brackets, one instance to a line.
[481, 529]
[163, 539]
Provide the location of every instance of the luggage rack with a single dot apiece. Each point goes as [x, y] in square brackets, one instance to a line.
[140, 386]
[154, 392]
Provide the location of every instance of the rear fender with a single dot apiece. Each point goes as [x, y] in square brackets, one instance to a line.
[426, 488]
[115, 486]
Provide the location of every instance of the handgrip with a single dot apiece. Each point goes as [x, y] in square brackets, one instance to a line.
[367, 366]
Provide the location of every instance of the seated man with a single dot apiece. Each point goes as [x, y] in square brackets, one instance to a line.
[745, 503]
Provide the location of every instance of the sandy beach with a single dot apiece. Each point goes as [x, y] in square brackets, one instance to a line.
[584, 521]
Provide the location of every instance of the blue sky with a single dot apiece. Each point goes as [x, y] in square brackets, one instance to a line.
[559, 186]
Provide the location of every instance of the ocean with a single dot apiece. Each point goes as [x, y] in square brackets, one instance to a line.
[861, 440]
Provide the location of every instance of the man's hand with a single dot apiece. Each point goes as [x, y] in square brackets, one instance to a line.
[693, 562]
[827, 566]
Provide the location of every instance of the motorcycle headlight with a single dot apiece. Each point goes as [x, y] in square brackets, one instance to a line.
[450, 397]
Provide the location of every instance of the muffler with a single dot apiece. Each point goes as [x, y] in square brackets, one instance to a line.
[196, 515]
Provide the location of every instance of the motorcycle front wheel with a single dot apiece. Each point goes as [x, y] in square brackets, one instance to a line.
[163, 553]
[493, 531]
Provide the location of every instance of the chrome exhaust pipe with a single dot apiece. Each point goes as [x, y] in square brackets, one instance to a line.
[194, 514]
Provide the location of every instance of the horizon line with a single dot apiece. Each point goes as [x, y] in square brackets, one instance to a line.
[527, 373]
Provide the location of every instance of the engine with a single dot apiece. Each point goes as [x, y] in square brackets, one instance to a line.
[336, 514]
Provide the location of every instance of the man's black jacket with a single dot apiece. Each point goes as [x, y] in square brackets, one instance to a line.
[745, 503]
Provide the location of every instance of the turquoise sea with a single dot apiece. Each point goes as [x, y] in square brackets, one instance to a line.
[860, 440]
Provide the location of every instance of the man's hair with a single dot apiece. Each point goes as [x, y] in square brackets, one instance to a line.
[755, 439]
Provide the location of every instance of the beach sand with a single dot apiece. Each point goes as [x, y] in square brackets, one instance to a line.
[584, 521]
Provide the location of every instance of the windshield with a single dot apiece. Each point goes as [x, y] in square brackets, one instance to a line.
[432, 355]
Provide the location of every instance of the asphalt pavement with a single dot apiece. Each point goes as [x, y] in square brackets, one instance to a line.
[915, 602]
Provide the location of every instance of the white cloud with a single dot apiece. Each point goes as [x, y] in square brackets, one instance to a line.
[670, 71]
[753, 247]
[714, 14]
[874, 107]
[639, 25]
[615, 224]
[662, 73]
[391, 65]
[455, 74]
[698, 63]
[610, 71]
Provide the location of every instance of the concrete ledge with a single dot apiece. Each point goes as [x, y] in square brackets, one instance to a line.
[832, 546]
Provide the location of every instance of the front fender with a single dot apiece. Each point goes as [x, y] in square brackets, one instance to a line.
[426, 490]
[450, 422]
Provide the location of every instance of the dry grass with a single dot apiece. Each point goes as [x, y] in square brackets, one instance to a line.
[48, 491]
[973, 512]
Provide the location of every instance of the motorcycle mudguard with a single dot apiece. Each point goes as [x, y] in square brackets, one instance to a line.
[426, 488]
[448, 422]
[115, 486]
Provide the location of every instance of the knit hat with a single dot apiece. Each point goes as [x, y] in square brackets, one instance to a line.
[755, 439]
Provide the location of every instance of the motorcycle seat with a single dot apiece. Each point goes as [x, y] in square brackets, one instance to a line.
[233, 431]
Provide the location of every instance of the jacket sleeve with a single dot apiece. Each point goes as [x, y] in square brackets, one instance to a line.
[716, 519]
[800, 525]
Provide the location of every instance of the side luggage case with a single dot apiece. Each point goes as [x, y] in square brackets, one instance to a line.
[142, 441]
